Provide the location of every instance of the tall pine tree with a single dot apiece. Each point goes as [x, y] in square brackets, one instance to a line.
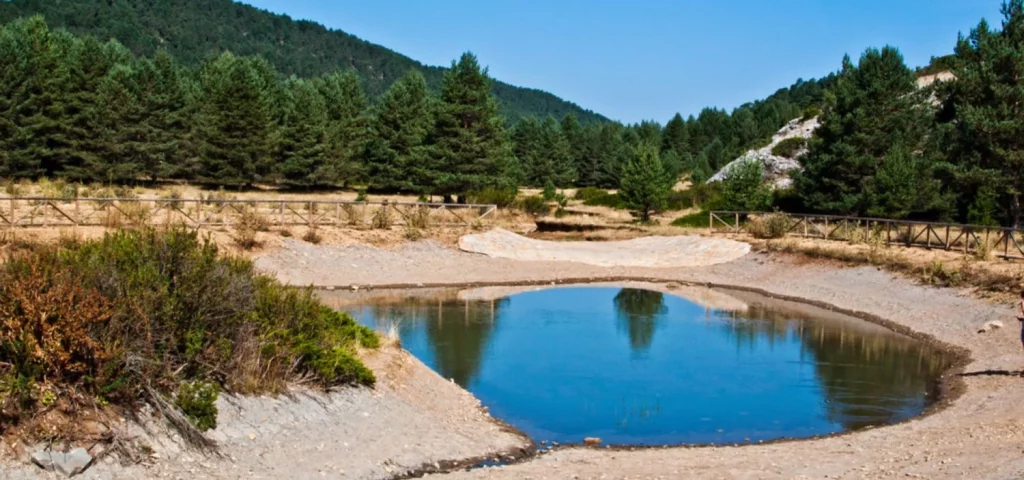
[395, 153]
[470, 148]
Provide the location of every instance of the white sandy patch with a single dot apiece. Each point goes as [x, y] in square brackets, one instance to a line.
[677, 251]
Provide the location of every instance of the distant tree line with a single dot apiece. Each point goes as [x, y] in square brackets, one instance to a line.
[193, 31]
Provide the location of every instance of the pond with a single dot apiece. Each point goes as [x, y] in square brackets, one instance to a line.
[638, 366]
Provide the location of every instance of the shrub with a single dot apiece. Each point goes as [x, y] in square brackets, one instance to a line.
[502, 197]
[587, 193]
[772, 225]
[361, 195]
[549, 191]
[382, 218]
[680, 200]
[198, 401]
[693, 220]
[419, 218]
[312, 236]
[172, 198]
[611, 200]
[534, 205]
[810, 112]
[135, 315]
[354, 213]
[249, 222]
[789, 147]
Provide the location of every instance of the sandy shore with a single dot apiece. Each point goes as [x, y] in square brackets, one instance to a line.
[412, 421]
[414, 418]
[978, 435]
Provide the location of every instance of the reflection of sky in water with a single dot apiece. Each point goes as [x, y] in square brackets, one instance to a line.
[639, 367]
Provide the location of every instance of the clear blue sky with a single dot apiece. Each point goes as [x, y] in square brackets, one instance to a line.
[648, 59]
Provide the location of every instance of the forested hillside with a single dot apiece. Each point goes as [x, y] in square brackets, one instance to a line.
[196, 30]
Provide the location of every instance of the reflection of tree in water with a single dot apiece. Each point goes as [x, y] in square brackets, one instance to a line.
[637, 311]
[868, 378]
[458, 331]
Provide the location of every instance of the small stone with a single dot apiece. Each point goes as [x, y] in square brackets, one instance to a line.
[990, 325]
[74, 462]
[252, 436]
[355, 288]
[43, 460]
[591, 441]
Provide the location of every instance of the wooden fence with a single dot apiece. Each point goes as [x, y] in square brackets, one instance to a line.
[1003, 242]
[29, 212]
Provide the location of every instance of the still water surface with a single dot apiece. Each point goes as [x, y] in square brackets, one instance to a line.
[641, 367]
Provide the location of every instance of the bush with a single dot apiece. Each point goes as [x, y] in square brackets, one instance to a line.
[680, 200]
[419, 218]
[312, 236]
[135, 315]
[811, 112]
[772, 225]
[502, 197]
[612, 200]
[534, 205]
[549, 191]
[382, 218]
[693, 220]
[198, 401]
[587, 193]
[789, 147]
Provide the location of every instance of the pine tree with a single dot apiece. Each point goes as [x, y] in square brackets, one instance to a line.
[644, 186]
[300, 149]
[470, 148]
[125, 127]
[675, 136]
[236, 122]
[347, 126]
[877, 108]
[34, 80]
[984, 116]
[395, 153]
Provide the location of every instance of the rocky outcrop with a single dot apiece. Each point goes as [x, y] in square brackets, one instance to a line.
[776, 168]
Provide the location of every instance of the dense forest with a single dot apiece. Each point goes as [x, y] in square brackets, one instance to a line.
[193, 31]
[90, 110]
[87, 110]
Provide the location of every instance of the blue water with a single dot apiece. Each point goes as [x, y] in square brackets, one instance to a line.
[637, 367]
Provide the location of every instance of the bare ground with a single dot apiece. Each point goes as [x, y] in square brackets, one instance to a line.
[411, 421]
[980, 434]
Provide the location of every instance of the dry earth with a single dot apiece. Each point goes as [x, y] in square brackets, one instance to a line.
[980, 435]
[413, 420]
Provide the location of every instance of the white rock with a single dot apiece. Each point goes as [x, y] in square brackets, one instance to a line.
[776, 169]
[990, 325]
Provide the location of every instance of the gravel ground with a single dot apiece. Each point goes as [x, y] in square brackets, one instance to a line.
[413, 420]
[414, 416]
[978, 435]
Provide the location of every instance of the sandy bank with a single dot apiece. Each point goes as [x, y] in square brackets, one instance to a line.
[978, 436]
[412, 420]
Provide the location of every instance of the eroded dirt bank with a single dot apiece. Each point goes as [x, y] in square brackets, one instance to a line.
[981, 435]
[413, 420]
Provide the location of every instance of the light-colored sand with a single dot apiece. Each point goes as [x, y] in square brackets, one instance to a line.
[410, 420]
[979, 436]
[677, 251]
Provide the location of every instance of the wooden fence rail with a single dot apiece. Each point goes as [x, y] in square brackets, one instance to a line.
[28, 212]
[1004, 242]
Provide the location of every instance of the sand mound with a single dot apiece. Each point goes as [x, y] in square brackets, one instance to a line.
[679, 251]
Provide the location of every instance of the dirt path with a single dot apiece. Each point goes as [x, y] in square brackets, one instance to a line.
[981, 435]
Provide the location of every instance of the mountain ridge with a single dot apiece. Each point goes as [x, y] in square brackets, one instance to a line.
[196, 30]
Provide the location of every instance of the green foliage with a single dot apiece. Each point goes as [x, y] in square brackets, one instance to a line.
[693, 220]
[469, 149]
[789, 147]
[502, 197]
[587, 193]
[534, 205]
[190, 30]
[644, 184]
[679, 200]
[744, 190]
[810, 112]
[549, 191]
[878, 99]
[144, 310]
[981, 123]
[543, 152]
[198, 401]
[611, 200]
[399, 131]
